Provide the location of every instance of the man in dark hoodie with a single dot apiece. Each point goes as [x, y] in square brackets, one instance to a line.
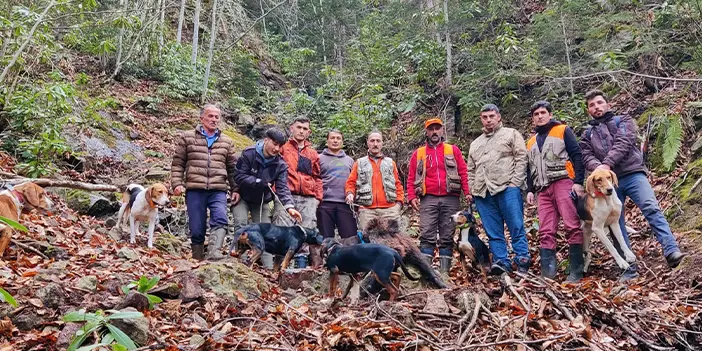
[333, 212]
[555, 169]
[259, 168]
[610, 143]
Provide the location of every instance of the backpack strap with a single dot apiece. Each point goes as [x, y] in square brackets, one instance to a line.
[617, 120]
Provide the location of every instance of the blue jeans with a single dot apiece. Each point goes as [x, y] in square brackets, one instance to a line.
[197, 202]
[495, 211]
[638, 189]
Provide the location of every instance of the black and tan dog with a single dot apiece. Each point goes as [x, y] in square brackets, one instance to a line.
[469, 243]
[380, 260]
[276, 240]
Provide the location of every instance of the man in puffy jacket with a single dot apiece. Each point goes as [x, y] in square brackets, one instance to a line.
[610, 143]
[304, 181]
[497, 163]
[202, 166]
[437, 175]
[260, 169]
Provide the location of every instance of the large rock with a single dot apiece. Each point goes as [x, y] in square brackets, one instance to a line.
[167, 291]
[88, 203]
[191, 287]
[127, 253]
[66, 335]
[169, 243]
[135, 300]
[224, 278]
[27, 320]
[88, 282]
[52, 295]
[436, 303]
[136, 328]
[398, 311]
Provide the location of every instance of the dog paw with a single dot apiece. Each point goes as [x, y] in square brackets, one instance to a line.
[630, 257]
[623, 264]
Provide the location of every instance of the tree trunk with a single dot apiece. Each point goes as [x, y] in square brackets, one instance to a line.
[449, 76]
[210, 51]
[567, 50]
[161, 22]
[181, 19]
[26, 42]
[122, 5]
[196, 28]
[43, 182]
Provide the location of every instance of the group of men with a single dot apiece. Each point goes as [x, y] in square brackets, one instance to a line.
[333, 192]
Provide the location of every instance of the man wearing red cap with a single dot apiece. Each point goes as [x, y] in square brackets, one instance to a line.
[437, 175]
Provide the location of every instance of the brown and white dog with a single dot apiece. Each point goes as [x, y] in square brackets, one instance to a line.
[600, 210]
[13, 201]
[141, 205]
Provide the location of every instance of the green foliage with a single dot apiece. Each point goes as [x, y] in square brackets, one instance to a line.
[4, 295]
[144, 285]
[13, 224]
[671, 133]
[99, 323]
[182, 79]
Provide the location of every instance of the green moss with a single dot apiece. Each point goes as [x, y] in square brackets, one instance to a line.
[106, 137]
[240, 141]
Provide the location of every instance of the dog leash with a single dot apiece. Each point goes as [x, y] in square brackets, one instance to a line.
[359, 233]
[275, 196]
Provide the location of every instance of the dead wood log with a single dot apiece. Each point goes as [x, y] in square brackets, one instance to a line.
[44, 182]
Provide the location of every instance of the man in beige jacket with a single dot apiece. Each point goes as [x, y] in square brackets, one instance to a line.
[497, 163]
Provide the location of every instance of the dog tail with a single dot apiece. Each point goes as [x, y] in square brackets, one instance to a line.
[415, 258]
[401, 263]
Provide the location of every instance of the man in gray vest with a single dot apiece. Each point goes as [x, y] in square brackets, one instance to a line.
[375, 185]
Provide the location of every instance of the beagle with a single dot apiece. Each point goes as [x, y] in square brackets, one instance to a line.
[140, 205]
[13, 200]
[599, 212]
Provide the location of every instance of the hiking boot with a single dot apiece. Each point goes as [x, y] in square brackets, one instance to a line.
[629, 274]
[216, 240]
[198, 251]
[445, 264]
[523, 265]
[576, 262]
[548, 263]
[674, 259]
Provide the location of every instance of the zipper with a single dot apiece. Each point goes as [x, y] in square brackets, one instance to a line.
[209, 154]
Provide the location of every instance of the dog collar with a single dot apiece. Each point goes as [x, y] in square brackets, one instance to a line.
[463, 226]
[150, 202]
[597, 193]
[19, 196]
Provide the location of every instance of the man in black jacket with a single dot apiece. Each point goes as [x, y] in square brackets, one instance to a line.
[259, 169]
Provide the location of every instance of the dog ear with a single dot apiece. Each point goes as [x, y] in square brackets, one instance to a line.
[590, 184]
[614, 179]
[32, 194]
[148, 194]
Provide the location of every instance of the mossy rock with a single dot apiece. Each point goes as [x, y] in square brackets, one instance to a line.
[227, 277]
[87, 203]
[689, 199]
[169, 243]
[240, 141]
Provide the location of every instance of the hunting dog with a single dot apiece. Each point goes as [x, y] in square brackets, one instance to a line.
[387, 232]
[14, 200]
[141, 205]
[276, 240]
[380, 260]
[599, 212]
[469, 244]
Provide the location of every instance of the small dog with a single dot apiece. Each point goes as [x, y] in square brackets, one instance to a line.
[469, 244]
[141, 205]
[276, 240]
[601, 209]
[14, 200]
[380, 260]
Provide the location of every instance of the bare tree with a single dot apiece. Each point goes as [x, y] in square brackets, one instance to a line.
[449, 76]
[181, 19]
[196, 29]
[210, 51]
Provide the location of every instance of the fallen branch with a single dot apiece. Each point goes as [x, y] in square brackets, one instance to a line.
[510, 341]
[507, 281]
[636, 336]
[474, 319]
[43, 182]
[557, 303]
[29, 248]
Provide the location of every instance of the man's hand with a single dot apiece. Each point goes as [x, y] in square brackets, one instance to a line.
[235, 198]
[349, 199]
[603, 166]
[178, 190]
[579, 189]
[295, 215]
[414, 203]
[530, 198]
[469, 198]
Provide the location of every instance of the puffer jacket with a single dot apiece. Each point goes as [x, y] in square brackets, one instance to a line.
[197, 166]
[304, 170]
[605, 142]
[497, 160]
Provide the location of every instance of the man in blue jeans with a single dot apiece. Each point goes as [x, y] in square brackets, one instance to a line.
[610, 143]
[497, 163]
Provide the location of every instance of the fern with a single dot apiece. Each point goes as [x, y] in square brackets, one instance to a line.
[672, 142]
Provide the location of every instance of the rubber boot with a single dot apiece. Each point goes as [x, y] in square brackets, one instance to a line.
[198, 251]
[445, 264]
[428, 253]
[576, 262]
[548, 262]
[216, 240]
